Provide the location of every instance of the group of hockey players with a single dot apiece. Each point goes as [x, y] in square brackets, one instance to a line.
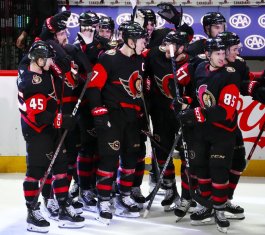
[133, 80]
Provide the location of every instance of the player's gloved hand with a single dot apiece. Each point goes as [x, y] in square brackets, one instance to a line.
[139, 18]
[65, 121]
[61, 65]
[170, 13]
[57, 22]
[191, 117]
[86, 36]
[249, 87]
[105, 43]
[101, 118]
[179, 104]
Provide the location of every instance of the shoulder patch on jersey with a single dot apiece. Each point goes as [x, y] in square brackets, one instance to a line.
[162, 48]
[240, 58]
[230, 69]
[202, 56]
[111, 52]
[36, 79]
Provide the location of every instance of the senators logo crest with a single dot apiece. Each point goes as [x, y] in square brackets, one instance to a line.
[163, 85]
[115, 145]
[134, 86]
[36, 79]
[205, 97]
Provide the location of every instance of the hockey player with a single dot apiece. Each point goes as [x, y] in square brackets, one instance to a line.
[234, 46]
[214, 124]
[213, 23]
[115, 100]
[38, 97]
[106, 27]
[159, 69]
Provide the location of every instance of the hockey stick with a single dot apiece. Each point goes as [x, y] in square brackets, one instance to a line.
[195, 196]
[154, 192]
[154, 141]
[35, 200]
[255, 144]
[154, 158]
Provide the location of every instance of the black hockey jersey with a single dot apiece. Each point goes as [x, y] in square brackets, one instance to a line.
[160, 71]
[38, 101]
[117, 82]
[218, 92]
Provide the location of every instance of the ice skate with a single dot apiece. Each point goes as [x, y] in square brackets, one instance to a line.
[104, 212]
[36, 221]
[171, 199]
[51, 207]
[87, 197]
[68, 218]
[78, 206]
[203, 216]
[138, 197]
[126, 207]
[182, 209]
[221, 221]
[233, 211]
[193, 207]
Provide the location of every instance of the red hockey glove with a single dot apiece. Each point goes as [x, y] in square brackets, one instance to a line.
[65, 121]
[101, 118]
[170, 13]
[191, 117]
[57, 22]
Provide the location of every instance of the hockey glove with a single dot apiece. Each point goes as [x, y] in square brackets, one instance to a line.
[170, 13]
[191, 117]
[249, 87]
[57, 22]
[65, 121]
[61, 65]
[180, 104]
[101, 118]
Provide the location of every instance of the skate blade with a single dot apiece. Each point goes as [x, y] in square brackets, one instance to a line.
[90, 208]
[222, 229]
[207, 221]
[69, 224]
[240, 216]
[37, 229]
[126, 214]
[103, 220]
[55, 218]
[178, 218]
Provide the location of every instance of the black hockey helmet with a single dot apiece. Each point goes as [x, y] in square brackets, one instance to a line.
[88, 18]
[229, 38]
[106, 22]
[133, 30]
[212, 18]
[149, 15]
[214, 44]
[41, 49]
[123, 25]
[177, 37]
